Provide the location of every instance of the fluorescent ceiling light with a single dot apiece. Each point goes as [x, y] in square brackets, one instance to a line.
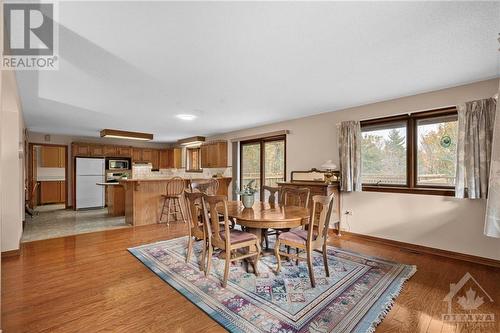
[186, 116]
[111, 133]
[191, 141]
[125, 137]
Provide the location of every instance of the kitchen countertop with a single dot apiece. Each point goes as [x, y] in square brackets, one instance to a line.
[162, 179]
[108, 184]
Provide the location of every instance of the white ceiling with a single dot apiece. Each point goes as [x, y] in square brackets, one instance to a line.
[134, 65]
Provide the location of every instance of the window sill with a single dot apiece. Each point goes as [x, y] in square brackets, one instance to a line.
[448, 192]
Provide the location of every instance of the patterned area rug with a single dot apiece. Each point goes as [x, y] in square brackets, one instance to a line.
[355, 298]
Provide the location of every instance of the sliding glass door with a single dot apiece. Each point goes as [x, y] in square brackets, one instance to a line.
[250, 166]
[263, 161]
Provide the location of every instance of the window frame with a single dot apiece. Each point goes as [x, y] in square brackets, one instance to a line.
[188, 158]
[411, 121]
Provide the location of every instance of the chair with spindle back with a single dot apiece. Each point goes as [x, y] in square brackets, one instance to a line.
[228, 240]
[173, 199]
[312, 239]
[197, 229]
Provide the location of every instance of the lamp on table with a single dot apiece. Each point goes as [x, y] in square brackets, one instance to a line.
[330, 168]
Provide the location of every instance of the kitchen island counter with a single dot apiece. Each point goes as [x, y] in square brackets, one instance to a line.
[143, 197]
[115, 198]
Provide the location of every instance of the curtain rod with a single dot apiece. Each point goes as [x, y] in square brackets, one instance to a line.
[261, 135]
[403, 113]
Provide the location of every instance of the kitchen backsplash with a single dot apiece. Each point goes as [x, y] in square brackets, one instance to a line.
[144, 172]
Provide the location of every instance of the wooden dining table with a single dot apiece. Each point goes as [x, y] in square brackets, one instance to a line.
[267, 216]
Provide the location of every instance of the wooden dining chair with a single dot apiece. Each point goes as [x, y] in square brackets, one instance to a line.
[197, 229]
[291, 196]
[274, 198]
[274, 194]
[209, 187]
[312, 239]
[228, 240]
[173, 199]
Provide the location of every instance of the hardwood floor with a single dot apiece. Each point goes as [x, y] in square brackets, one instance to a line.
[90, 283]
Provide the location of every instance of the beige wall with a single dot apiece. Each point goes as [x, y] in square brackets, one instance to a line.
[12, 169]
[435, 221]
[35, 137]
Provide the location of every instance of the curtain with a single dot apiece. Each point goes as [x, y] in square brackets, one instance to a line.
[475, 134]
[492, 223]
[350, 155]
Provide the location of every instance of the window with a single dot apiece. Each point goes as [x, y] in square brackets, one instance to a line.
[437, 151]
[193, 159]
[384, 153]
[413, 153]
[263, 161]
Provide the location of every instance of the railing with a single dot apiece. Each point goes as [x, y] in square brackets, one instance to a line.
[436, 179]
[429, 179]
[270, 180]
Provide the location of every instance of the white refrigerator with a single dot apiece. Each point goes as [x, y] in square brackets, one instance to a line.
[89, 171]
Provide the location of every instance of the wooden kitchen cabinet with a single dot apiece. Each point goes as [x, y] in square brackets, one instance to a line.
[52, 192]
[97, 150]
[124, 151]
[80, 149]
[163, 163]
[136, 154]
[52, 157]
[110, 151]
[174, 158]
[159, 158]
[62, 191]
[62, 157]
[214, 154]
[49, 157]
[204, 149]
[170, 158]
[177, 158]
[155, 159]
[147, 155]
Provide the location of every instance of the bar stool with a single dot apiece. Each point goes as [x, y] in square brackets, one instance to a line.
[173, 200]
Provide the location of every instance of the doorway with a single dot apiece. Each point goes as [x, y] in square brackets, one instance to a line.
[47, 177]
[263, 162]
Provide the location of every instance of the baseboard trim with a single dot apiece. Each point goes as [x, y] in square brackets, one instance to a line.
[11, 253]
[427, 249]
